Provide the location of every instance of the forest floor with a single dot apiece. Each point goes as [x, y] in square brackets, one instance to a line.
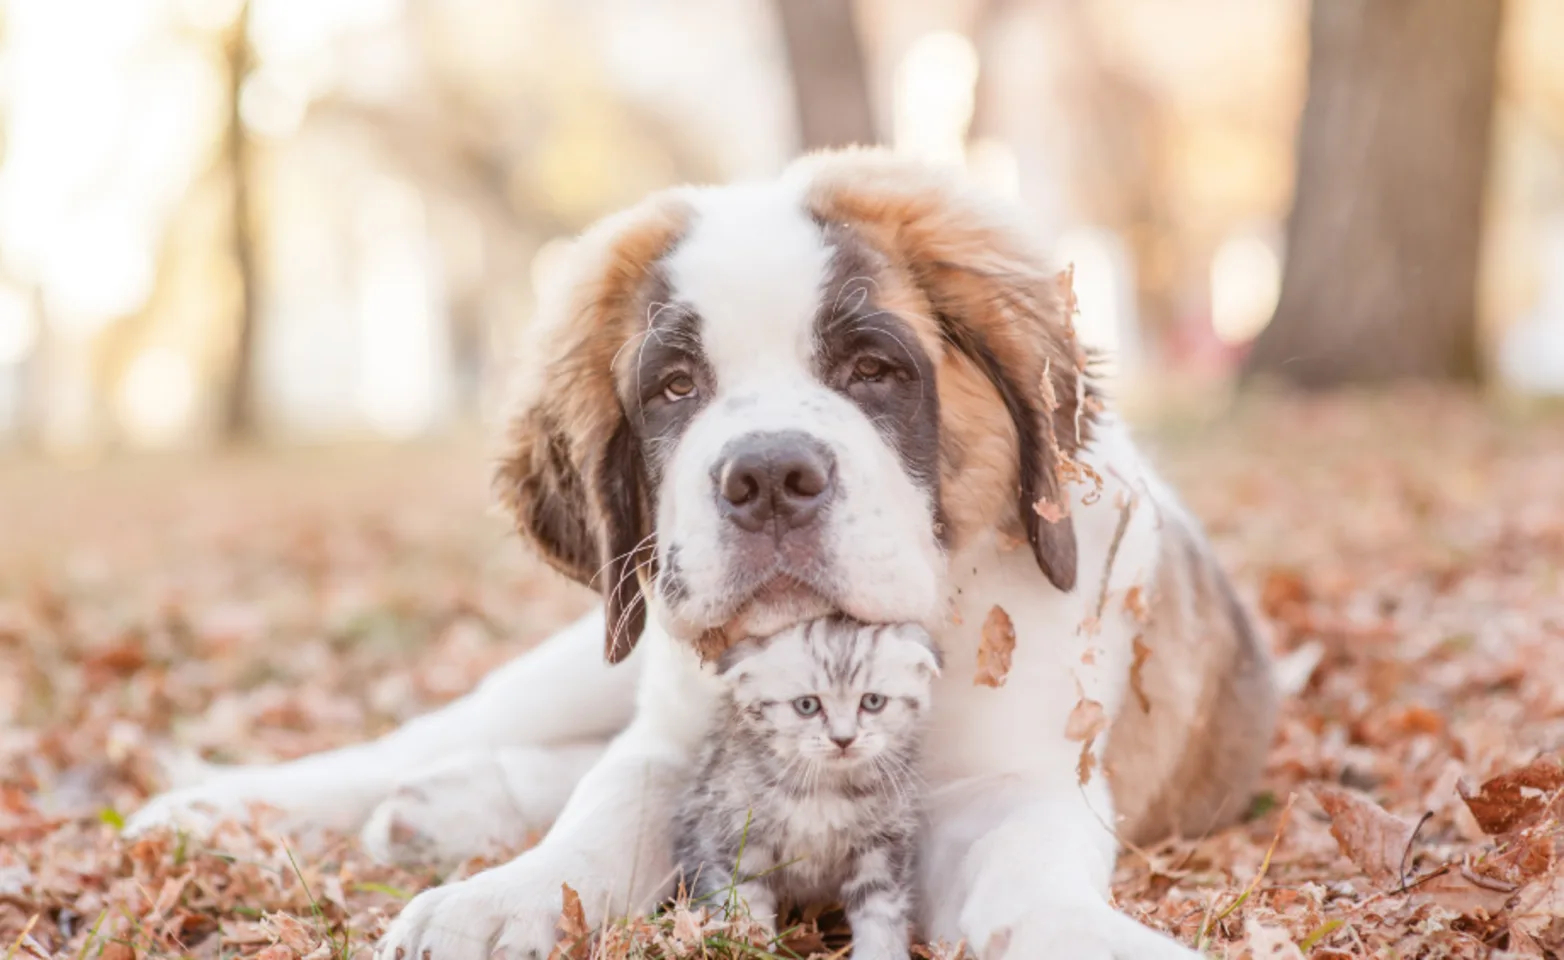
[1406, 553]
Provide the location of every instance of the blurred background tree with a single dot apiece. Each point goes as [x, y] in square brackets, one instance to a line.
[1380, 280]
[825, 64]
[315, 220]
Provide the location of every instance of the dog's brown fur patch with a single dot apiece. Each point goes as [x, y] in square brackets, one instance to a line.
[584, 514]
[1190, 741]
[983, 303]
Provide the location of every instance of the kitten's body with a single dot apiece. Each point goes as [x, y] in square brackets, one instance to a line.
[782, 811]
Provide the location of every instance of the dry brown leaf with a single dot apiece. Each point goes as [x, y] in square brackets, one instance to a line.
[572, 929]
[1137, 666]
[290, 931]
[117, 950]
[1046, 387]
[1266, 942]
[1087, 720]
[1050, 511]
[1135, 604]
[1539, 913]
[1462, 893]
[1517, 798]
[1087, 763]
[996, 649]
[686, 925]
[1371, 837]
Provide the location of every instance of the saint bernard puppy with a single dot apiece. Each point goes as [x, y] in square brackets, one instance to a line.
[854, 389]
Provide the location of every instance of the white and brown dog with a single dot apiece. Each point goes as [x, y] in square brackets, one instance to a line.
[853, 389]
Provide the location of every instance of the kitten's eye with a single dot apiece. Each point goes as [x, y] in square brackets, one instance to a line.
[678, 387]
[872, 702]
[870, 368]
[807, 706]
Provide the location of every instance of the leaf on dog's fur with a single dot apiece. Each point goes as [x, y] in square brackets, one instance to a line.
[1137, 668]
[1050, 511]
[712, 644]
[1050, 396]
[1086, 765]
[1135, 604]
[1086, 721]
[994, 653]
[1517, 798]
[1371, 837]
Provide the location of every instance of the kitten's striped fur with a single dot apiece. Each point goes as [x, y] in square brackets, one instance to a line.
[780, 812]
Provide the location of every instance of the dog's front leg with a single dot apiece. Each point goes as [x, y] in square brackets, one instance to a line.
[1020, 872]
[560, 692]
[611, 844]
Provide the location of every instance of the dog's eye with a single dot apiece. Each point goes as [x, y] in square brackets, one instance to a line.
[807, 706]
[872, 702]
[870, 368]
[678, 387]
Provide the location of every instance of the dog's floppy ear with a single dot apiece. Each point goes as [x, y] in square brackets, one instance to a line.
[571, 474]
[997, 304]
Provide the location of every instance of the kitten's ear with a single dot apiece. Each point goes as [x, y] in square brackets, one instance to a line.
[924, 652]
[735, 655]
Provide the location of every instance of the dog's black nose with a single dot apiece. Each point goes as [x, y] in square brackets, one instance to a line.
[786, 477]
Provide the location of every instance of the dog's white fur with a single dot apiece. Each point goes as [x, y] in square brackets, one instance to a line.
[1019, 849]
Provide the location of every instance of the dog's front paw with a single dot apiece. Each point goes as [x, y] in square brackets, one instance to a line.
[196, 809]
[510, 912]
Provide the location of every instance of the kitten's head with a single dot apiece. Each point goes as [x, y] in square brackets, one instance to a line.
[834, 692]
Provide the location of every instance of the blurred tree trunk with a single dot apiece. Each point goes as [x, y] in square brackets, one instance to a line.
[825, 60]
[1381, 271]
[239, 408]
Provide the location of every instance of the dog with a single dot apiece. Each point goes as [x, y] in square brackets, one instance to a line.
[854, 389]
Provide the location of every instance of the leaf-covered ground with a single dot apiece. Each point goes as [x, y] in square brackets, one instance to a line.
[1407, 553]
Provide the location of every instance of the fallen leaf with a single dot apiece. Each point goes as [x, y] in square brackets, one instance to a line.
[1046, 387]
[712, 644]
[996, 649]
[1266, 942]
[572, 929]
[289, 931]
[1086, 764]
[1462, 893]
[1517, 798]
[117, 950]
[1283, 589]
[1050, 511]
[1371, 837]
[1135, 604]
[1137, 667]
[1087, 720]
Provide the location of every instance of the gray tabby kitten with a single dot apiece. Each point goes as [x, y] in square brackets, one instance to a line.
[806, 788]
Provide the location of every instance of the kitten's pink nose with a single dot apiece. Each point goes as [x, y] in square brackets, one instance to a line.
[843, 742]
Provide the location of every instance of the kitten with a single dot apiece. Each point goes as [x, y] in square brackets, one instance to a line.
[806, 788]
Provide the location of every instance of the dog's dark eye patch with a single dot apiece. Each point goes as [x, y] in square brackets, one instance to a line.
[873, 357]
[669, 379]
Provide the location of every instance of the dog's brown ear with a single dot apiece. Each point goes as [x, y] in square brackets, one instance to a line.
[997, 304]
[583, 511]
[571, 474]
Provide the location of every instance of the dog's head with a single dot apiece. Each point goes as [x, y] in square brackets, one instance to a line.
[752, 405]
